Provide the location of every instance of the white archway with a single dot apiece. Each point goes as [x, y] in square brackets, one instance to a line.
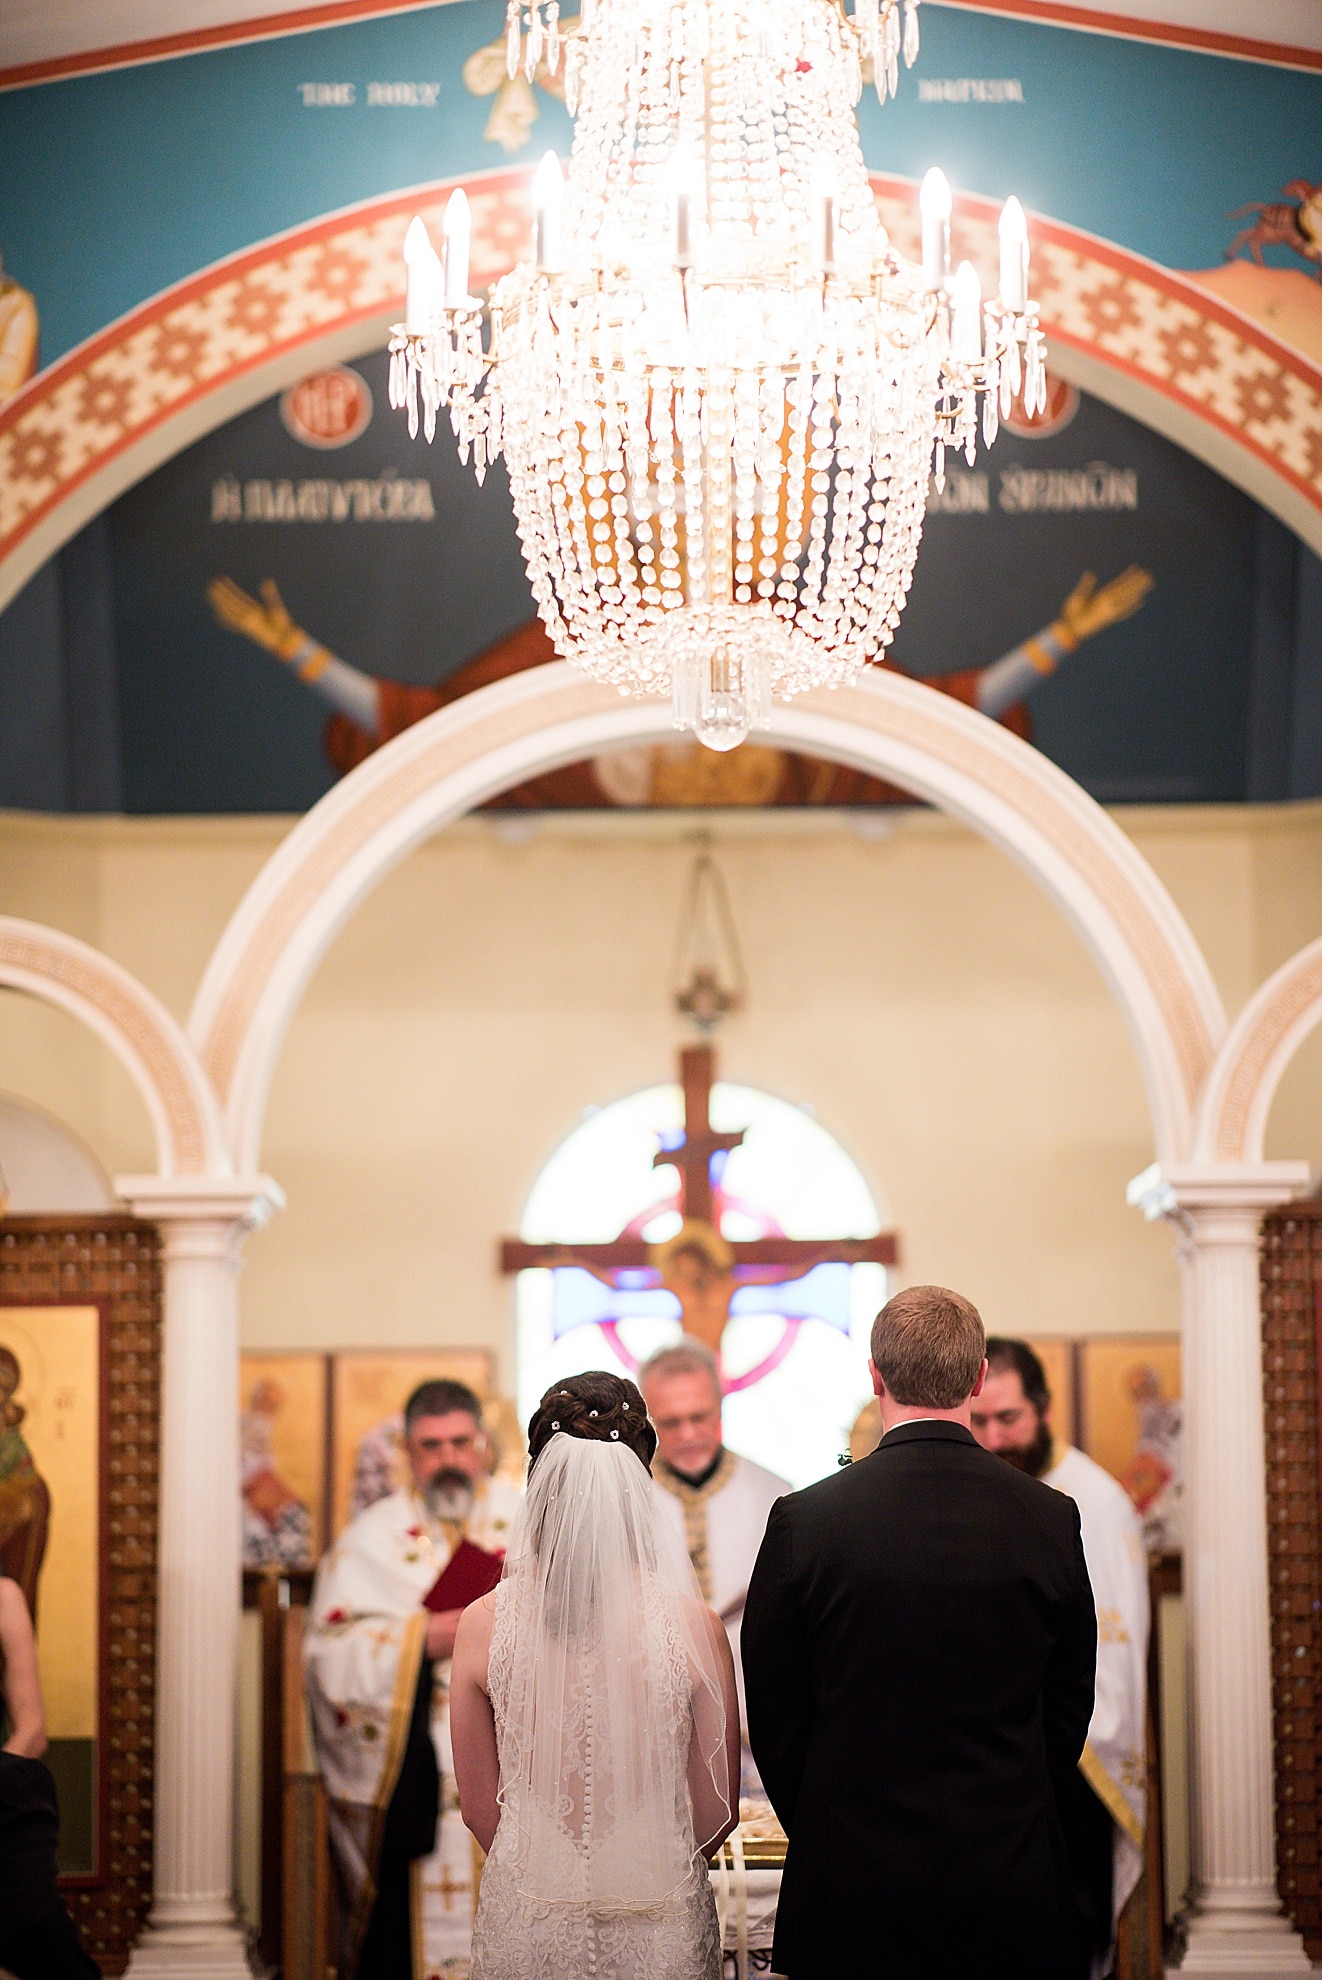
[1232, 1114]
[949, 754]
[200, 1208]
[888, 725]
[186, 1122]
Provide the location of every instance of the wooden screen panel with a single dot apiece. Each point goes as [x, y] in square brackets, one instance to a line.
[1291, 1276]
[113, 1263]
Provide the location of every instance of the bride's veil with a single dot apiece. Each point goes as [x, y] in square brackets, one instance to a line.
[611, 1679]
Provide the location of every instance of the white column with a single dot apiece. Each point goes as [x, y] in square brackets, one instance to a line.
[194, 1929]
[1233, 1915]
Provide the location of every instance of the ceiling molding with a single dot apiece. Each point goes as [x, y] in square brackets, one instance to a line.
[39, 47]
[1207, 27]
[41, 42]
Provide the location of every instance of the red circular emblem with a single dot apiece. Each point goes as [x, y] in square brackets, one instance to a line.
[329, 409]
[1060, 408]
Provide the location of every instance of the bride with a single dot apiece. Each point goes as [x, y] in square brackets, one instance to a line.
[594, 1717]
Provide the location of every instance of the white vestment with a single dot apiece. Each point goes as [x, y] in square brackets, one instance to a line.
[1114, 1760]
[722, 1523]
[363, 1650]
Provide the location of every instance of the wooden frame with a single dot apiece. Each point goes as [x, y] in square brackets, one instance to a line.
[1292, 1354]
[112, 1262]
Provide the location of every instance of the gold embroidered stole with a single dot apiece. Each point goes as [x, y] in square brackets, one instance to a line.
[693, 1499]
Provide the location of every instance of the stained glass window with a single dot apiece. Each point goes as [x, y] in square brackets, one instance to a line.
[794, 1354]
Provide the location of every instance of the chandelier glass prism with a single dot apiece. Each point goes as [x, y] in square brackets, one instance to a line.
[718, 389]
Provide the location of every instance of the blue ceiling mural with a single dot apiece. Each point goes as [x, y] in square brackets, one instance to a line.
[114, 185]
[1199, 671]
[123, 687]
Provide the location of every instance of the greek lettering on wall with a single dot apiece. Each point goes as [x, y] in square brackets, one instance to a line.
[390, 497]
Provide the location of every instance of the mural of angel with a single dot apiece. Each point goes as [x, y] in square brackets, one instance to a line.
[1286, 301]
[20, 330]
[514, 112]
[369, 711]
[1293, 221]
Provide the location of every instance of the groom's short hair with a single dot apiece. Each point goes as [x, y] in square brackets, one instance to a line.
[928, 1344]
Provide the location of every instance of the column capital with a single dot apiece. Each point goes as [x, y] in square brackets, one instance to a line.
[238, 1203]
[1196, 1188]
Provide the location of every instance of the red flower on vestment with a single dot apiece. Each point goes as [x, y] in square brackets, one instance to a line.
[801, 67]
[335, 1616]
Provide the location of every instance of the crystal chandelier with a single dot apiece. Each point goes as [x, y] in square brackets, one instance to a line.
[718, 389]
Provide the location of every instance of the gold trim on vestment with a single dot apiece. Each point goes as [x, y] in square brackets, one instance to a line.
[1110, 1796]
[693, 1499]
[413, 1644]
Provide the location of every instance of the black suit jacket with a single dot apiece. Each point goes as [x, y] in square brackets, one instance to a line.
[919, 1650]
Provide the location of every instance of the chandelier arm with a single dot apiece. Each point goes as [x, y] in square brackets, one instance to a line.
[720, 391]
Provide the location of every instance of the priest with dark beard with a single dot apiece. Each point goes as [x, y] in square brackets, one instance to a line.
[1108, 1807]
[381, 1629]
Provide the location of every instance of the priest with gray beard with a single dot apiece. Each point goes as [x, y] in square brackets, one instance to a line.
[381, 1628]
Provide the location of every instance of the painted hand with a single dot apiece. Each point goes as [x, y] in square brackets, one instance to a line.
[267, 623]
[1089, 610]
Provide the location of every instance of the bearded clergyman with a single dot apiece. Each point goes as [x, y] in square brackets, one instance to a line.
[381, 1627]
[1104, 1821]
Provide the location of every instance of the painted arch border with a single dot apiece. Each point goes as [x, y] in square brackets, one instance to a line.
[1148, 340]
[886, 724]
[59, 969]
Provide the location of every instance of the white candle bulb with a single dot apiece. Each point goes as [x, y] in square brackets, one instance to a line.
[458, 231]
[548, 192]
[683, 176]
[1013, 230]
[825, 200]
[420, 260]
[934, 205]
[966, 317]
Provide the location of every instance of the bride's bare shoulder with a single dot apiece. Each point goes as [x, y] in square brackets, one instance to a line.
[480, 1614]
[706, 1627]
[472, 1639]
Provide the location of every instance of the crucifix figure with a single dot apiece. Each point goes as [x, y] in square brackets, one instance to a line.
[701, 1268]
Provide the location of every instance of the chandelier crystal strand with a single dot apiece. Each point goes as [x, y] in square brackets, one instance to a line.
[719, 392]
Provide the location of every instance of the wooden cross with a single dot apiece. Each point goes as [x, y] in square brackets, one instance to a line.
[692, 1157]
[764, 1261]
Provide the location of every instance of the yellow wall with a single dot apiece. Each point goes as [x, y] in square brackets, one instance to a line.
[914, 988]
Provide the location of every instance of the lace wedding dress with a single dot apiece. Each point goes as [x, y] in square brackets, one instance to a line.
[600, 1685]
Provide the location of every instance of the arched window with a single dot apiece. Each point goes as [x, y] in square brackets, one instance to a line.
[794, 1354]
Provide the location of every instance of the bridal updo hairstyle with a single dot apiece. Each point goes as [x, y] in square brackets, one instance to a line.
[597, 1407]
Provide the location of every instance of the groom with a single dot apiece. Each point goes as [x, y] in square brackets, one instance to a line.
[919, 1644]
